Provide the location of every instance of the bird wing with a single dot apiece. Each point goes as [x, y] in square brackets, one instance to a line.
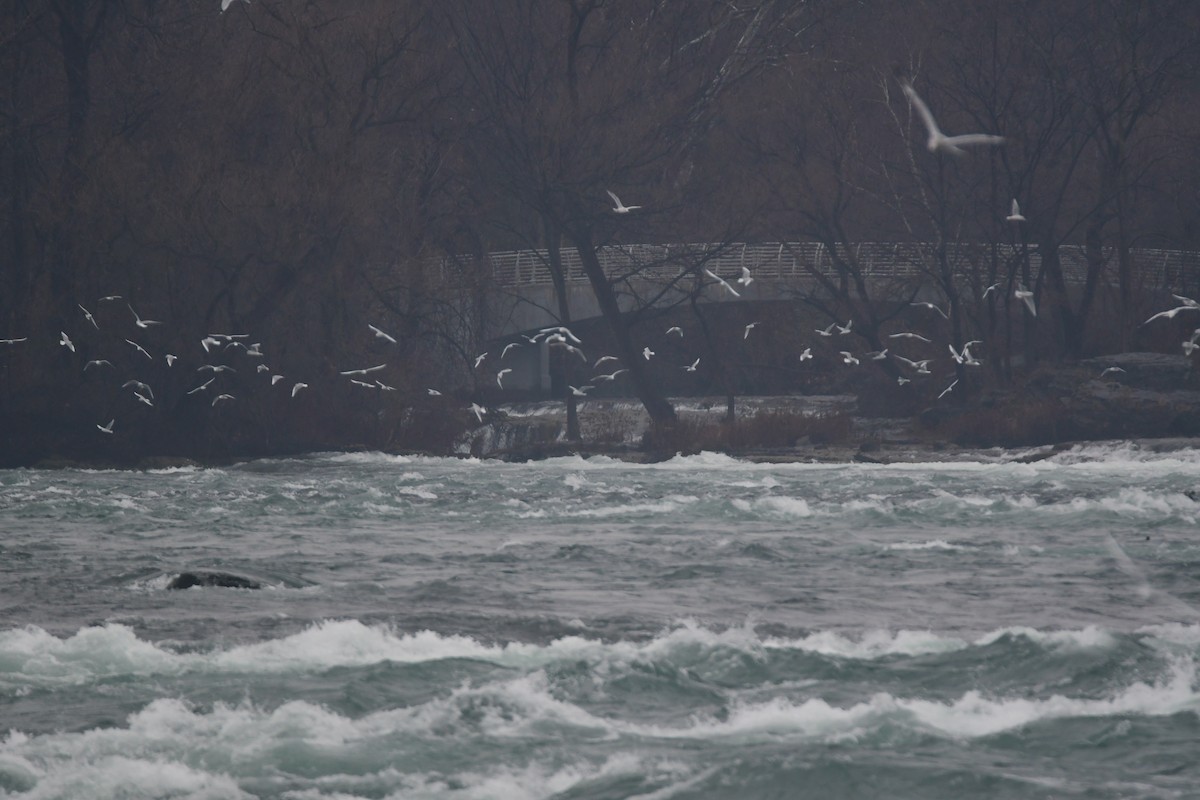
[973, 138]
[922, 110]
[616, 199]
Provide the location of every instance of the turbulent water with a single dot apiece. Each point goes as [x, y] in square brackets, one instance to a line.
[700, 628]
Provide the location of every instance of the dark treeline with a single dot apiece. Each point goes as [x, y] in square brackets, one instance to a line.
[292, 169]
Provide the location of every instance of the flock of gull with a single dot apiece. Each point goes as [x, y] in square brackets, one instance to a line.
[214, 345]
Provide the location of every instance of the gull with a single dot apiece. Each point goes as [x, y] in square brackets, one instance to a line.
[947, 390]
[842, 331]
[367, 370]
[603, 359]
[363, 384]
[1170, 314]
[142, 323]
[479, 359]
[921, 367]
[612, 376]
[647, 352]
[807, 354]
[746, 334]
[558, 340]
[561, 332]
[989, 290]
[1021, 293]
[14, 341]
[828, 331]
[880, 356]
[215, 368]
[901, 380]
[848, 358]
[1187, 301]
[692, 367]
[500, 377]
[433, 392]
[931, 306]
[296, 389]
[908, 335]
[276, 379]
[675, 329]
[721, 281]
[508, 347]
[107, 428]
[66, 342]
[209, 341]
[478, 410]
[580, 391]
[171, 359]
[203, 386]
[1111, 371]
[380, 334]
[227, 3]
[262, 368]
[144, 399]
[620, 208]
[110, 298]
[97, 362]
[938, 141]
[88, 316]
[138, 387]
[1015, 214]
[139, 348]
[745, 280]
[384, 387]
[1189, 347]
[221, 397]
[255, 350]
[965, 358]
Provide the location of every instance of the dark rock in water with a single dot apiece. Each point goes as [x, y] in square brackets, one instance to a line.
[186, 580]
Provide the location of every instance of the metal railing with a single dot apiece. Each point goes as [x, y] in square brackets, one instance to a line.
[792, 261]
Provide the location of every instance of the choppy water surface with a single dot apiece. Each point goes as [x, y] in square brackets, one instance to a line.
[705, 627]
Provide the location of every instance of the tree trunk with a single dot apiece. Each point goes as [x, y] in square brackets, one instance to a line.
[661, 412]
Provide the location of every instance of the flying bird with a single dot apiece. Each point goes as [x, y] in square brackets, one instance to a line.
[563, 333]
[603, 359]
[746, 333]
[142, 323]
[827, 331]
[107, 428]
[647, 352]
[938, 141]
[721, 281]
[88, 316]
[928, 305]
[1023, 294]
[675, 329]
[1014, 215]
[203, 386]
[225, 4]
[380, 334]
[66, 342]
[139, 348]
[848, 358]
[433, 393]
[579, 391]
[479, 359]
[478, 410]
[367, 370]
[221, 397]
[909, 335]
[948, 389]
[171, 359]
[612, 376]
[109, 298]
[807, 354]
[844, 330]
[296, 389]
[692, 366]
[989, 290]
[1111, 371]
[215, 368]
[500, 377]
[745, 279]
[620, 208]
[14, 341]
[508, 347]
[97, 362]
[138, 386]
[143, 399]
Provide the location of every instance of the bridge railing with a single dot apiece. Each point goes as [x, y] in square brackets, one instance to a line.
[789, 261]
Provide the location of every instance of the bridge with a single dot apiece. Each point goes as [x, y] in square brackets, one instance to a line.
[780, 270]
